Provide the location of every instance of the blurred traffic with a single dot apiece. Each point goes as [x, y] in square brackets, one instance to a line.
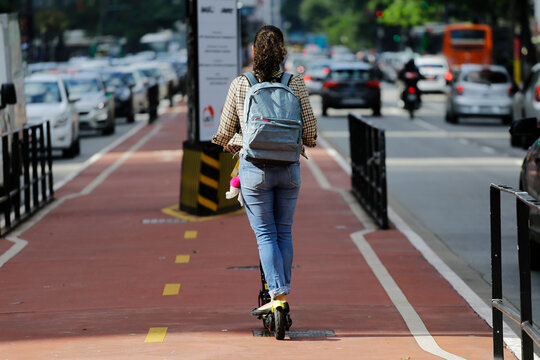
[91, 94]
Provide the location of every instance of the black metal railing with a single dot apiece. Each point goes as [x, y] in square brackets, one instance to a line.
[27, 178]
[368, 162]
[522, 317]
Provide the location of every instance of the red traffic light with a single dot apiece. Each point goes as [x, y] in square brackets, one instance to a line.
[379, 13]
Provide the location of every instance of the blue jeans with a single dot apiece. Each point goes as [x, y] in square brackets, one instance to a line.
[270, 193]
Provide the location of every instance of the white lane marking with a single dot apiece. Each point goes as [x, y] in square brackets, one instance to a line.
[99, 154]
[406, 310]
[410, 316]
[113, 167]
[511, 340]
[19, 244]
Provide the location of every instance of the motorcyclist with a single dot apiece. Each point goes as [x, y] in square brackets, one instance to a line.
[410, 75]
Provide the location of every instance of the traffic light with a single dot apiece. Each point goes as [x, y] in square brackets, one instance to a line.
[379, 13]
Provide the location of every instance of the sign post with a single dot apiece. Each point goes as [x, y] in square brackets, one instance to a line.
[213, 62]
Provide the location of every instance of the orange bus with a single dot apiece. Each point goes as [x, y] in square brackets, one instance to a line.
[467, 43]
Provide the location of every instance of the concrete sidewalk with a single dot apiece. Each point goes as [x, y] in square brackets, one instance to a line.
[105, 273]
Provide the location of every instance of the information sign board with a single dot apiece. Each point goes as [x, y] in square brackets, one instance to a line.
[218, 65]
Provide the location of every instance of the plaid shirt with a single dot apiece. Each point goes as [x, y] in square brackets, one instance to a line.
[228, 134]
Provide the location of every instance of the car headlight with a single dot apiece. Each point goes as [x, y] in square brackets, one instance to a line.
[101, 105]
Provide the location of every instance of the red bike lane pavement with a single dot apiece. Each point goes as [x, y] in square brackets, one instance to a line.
[107, 274]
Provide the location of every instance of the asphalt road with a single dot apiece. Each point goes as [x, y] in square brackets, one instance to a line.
[438, 178]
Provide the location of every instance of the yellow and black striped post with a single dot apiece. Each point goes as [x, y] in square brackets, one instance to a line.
[207, 200]
[206, 173]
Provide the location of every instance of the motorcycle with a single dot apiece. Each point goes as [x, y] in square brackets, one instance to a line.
[410, 94]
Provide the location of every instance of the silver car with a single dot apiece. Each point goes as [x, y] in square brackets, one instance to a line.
[526, 102]
[96, 108]
[480, 91]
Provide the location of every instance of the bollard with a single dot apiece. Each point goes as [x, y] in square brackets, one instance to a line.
[205, 179]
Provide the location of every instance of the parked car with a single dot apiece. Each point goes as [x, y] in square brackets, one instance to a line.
[480, 91]
[351, 85]
[117, 83]
[47, 99]
[526, 101]
[96, 109]
[529, 179]
[435, 71]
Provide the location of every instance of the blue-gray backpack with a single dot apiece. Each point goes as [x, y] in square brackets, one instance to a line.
[272, 130]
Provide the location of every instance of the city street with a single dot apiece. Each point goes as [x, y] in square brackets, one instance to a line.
[438, 181]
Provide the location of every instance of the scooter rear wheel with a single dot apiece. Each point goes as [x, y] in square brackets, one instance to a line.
[280, 323]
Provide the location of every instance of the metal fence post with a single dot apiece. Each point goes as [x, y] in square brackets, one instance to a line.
[16, 174]
[35, 175]
[26, 170]
[527, 349]
[368, 165]
[496, 271]
[49, 161]
[42, 158]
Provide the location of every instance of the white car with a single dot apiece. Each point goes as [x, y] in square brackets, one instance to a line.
[96, 109]
[435, 71]
[47, 99]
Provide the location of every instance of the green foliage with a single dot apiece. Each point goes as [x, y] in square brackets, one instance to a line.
[345, 24]
[7, 6]
[409, 12]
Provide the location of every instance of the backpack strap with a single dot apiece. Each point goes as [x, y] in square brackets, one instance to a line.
[285, 78]
[251, 78]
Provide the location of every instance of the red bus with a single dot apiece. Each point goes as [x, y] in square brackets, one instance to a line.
[467, 43]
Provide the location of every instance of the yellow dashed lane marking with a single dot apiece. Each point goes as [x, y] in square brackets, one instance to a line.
[190, 234]
[156, 334]
[171, 289]
[182, 259]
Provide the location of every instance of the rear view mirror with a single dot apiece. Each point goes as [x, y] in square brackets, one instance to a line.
[7, 95]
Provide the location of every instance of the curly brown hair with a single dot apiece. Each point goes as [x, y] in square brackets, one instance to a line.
[269, 52]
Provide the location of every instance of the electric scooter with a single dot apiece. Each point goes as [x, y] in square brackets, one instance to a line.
[278, 320]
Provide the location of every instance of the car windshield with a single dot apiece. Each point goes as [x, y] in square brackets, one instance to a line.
[486, 77]
[113, 79]
[82, 86]
[42, 92]
[350, 74]
[150, 72]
